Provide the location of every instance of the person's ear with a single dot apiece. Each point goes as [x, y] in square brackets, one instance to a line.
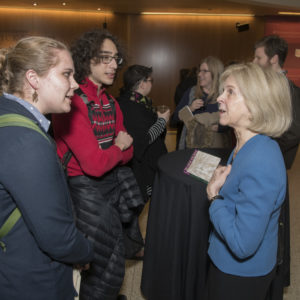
[32, 78]
[274, 60]
[93, 61]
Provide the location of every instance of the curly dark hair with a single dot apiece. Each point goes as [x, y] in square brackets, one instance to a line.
[86, 47]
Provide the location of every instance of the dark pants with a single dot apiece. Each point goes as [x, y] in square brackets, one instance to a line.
[106, 210]
[98, 218]
[222, 286]
[282, 277]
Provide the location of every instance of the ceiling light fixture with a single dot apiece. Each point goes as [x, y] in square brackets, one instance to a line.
[64, 3]
[196, 14]
[290, 13]
[55, 11]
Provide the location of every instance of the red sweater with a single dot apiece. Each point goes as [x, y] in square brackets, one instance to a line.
[73, 131]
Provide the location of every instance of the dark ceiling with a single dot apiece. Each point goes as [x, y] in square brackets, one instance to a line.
[257, 7]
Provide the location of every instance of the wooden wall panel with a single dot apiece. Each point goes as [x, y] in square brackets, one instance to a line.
[167, 43]
[63, 25]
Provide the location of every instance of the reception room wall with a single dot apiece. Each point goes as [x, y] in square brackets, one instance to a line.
[289, 29]
[167, 43]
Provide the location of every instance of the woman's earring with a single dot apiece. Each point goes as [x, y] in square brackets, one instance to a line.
[35, 97]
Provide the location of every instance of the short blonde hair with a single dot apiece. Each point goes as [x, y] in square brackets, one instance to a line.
[36, 53]
[267, 96]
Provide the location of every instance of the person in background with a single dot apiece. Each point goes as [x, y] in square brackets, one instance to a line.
[188, 78]
[93, 143]
[271, 52]
[246, 195]
[38, 251]
[201, 98]
[144, 124]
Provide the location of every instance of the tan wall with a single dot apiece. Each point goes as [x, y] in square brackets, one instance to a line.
[167, 43]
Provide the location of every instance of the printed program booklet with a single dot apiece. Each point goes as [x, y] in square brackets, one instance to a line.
[202, 165]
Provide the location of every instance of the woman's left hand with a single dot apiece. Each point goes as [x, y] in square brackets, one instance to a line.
[165, 115]
[217, 181]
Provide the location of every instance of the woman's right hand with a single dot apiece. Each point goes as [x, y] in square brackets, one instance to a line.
[165, 115]
[217, 181]
[196, 104]
[123, 140]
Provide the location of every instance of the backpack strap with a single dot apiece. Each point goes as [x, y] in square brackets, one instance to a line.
[88, 103]
[68, 155]
[18, 120]
[15, 120]
[65, 160]
[8, 225]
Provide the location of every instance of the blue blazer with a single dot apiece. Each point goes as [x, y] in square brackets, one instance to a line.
[44, 244]
[244, 239]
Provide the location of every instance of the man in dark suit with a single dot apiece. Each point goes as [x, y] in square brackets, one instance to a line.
[271, 51]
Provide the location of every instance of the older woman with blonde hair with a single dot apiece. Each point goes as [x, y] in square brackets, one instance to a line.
[203, 130]
[246, 195]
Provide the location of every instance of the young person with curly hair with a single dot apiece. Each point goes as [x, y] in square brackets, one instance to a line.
[94, 136]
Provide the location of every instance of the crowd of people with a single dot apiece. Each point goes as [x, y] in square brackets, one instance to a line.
[72, 199]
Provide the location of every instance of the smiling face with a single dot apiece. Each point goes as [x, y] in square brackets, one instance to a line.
[104, 73]
[232, 107]
[57, 86]
[204, 76]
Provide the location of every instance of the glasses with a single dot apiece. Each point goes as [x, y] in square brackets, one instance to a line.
[107, 59]
[203, 71]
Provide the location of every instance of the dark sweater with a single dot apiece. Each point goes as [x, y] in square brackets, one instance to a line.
[137, 120]
[44, 243]
[289, 141]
